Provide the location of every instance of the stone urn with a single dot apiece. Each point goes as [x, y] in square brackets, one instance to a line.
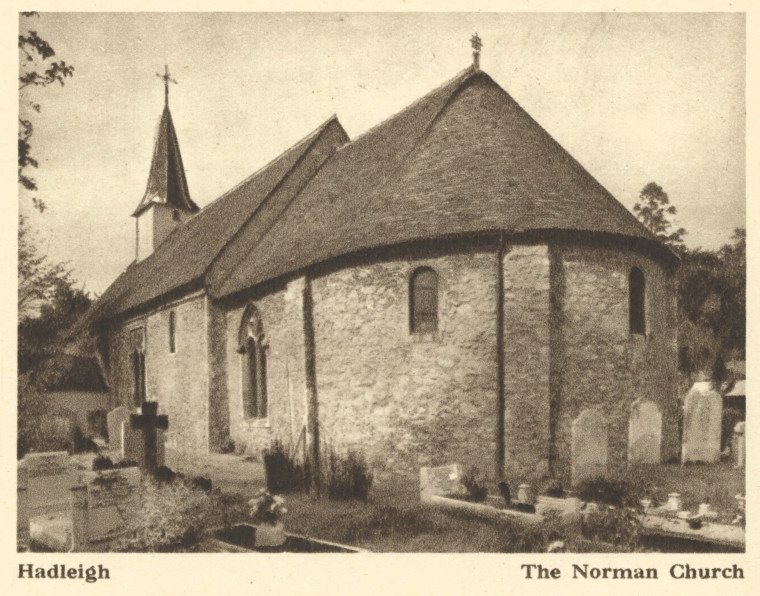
[268, 535]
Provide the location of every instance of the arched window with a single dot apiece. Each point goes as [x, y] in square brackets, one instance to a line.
[172, 332]
[254, 364]
[637, 302]
[423, 301]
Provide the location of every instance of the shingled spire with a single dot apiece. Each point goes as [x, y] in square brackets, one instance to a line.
[166, 201]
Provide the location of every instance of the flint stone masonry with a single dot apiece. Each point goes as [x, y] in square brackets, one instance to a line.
[589, 446]
[644, 433]
[703, 407]
[115, 420]
[281, 314]
[179, 381]
[605, 366]
[103, 507]
[409, 400]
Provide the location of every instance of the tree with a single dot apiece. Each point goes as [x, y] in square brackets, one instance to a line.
[36, 69]
[712, 307]
[654, 210]
[37, 277]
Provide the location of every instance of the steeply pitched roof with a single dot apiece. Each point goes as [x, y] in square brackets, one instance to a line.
[464, 159]
[187, 252]
[166, 180]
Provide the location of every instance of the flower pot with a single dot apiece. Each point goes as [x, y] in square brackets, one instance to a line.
[269, 535]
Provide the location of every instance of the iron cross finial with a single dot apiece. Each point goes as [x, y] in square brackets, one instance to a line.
[476, 44]
[166, 79]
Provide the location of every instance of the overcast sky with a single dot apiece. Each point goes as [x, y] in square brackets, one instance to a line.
[634, 97]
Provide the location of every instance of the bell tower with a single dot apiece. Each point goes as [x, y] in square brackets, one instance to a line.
[166, 202]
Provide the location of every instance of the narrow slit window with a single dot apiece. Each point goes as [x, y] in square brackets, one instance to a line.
[423, 301]
[172, 332]
[637, 302]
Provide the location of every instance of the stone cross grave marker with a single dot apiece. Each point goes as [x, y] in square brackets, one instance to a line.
[103, 506]
[738, 445]
[441, 481]
[644, 432]
[702, 411]
[115, 421]
[588, 446]
[149, 423]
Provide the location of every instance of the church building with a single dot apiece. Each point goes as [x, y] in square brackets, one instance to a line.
[450, 286]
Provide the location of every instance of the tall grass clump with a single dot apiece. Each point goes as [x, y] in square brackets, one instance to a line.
[285, 474]
[346, 476]
[173, 516]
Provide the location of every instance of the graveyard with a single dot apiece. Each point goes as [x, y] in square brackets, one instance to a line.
[140, 496]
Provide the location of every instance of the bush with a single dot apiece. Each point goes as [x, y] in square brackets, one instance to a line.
[476, 490]
[621, 527]
[173, 516]
[283, 473]
[608, 491]
[347, 477]
[102, 462]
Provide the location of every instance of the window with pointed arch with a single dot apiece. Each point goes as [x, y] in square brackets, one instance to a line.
[637, 302]
[253, 353]
[423, 301]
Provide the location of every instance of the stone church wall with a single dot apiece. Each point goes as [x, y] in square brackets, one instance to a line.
[526, 360]
[282, 317]
[178, 381]
[407, 401]
[604, 365]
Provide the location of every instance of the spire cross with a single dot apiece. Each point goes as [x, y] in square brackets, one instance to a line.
[476, 44]
[166, 79]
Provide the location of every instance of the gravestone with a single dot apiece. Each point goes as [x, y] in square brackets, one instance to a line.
[644, 433]
[738, 446]
[441, 481]
[103, 506]
[148, 425]
[588, 446]
[115, 421]
[49, 478]
[703, 408]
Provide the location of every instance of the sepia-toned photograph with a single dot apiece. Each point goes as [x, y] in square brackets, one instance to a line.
[382, 283]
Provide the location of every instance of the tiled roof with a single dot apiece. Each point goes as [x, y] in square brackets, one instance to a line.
[464, 159]
[189, 250]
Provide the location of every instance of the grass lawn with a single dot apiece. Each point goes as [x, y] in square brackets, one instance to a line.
[394, 520]
[717, 484]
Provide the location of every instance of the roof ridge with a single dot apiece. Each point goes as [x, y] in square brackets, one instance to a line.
[267, 165]
[316, 136]
[463, 75]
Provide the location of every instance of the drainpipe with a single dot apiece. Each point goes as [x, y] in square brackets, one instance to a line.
[311, 384]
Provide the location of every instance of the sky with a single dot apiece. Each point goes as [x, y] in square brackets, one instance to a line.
[634, 97]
